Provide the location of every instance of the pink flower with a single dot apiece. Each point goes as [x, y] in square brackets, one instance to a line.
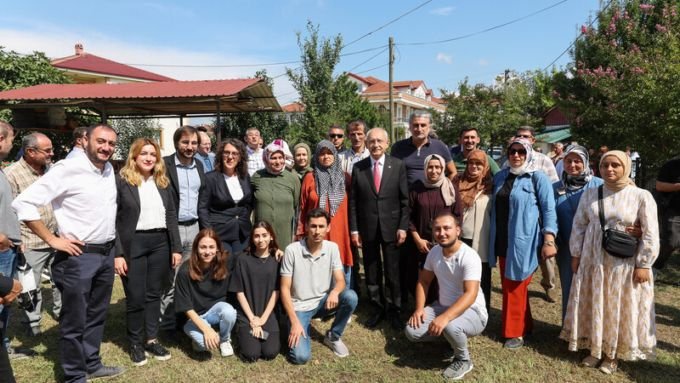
[584, 29]
[660, 28]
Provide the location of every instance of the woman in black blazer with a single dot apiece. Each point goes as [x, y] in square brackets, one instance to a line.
[147, 245]
[225, 203]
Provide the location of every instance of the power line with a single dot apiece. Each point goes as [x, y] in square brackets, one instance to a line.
[386, 24]
[372, 69]
[369, 59]
[461, 37]
[578, 37]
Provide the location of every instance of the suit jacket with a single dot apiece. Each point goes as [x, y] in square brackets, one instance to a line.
[128, 215]
[217, 209]
[171, 172]
[387, 209]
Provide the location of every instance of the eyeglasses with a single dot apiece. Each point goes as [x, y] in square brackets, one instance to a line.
[521, 152]
[336, 135]
[233, 154]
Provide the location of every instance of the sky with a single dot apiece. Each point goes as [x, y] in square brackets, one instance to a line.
[191, 40]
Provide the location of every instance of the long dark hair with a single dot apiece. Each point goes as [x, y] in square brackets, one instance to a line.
[242, 167]
[218, 265]
[273, 245]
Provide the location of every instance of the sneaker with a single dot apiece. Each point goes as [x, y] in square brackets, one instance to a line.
[337, 346]
[157, 350]
[105, 372]
[137, 355]
[457, 369]
[20, 353]
[609, 366]
[226, 349]
[514, 343]
[590, 362]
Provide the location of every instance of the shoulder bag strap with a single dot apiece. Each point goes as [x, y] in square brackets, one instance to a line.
[600, 206]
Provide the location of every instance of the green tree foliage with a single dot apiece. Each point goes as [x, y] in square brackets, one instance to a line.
[131, 129]
[496, 110]
[327, 99]
[271, 125]
[624, 86]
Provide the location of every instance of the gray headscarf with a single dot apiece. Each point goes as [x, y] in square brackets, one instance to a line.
[330, 181]
[579, 181]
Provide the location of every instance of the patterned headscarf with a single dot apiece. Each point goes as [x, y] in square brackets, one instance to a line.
[469, 186]
[627, 165]
[525, 167]
[330, 181]
[444, 184]
[579, 181]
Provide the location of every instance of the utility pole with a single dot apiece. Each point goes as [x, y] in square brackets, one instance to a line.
[389, 126]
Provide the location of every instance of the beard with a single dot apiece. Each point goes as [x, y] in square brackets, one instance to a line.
[449, 244]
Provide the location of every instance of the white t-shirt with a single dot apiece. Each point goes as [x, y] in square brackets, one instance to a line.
[451, 272]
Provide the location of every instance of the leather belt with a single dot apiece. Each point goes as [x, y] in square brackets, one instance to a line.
[188, 223]
[103, 248]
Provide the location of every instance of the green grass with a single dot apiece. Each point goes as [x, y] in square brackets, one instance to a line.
[382, 355]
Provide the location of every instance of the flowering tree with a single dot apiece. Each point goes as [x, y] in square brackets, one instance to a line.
[624, 85]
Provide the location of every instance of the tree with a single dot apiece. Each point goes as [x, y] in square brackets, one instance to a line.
[131, 129]
[624, 85]
[271, 125]
[327, 99]
[18, 71]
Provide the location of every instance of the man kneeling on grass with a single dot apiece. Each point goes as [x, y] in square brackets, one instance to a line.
[313, 285]
[460, 311]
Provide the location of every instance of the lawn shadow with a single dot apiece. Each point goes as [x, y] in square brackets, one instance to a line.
[650, 371]
[667, 315]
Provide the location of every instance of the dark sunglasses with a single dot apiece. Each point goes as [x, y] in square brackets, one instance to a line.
[336, 135]
[521, 152]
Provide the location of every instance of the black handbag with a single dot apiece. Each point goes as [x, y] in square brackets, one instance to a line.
[615, 242]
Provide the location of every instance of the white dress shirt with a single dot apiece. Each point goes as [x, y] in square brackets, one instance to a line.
[234, 187]
[82, 196]
[151, 208]
[381, 166]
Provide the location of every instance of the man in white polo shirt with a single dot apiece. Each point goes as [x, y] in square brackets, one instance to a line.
[460, 311]
[313, 285]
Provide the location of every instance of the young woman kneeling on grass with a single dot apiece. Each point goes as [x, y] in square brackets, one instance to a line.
[256, 283]
[201, 292]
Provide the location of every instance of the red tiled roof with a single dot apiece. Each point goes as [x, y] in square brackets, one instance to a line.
[88, 62]
[168, 89]
[293, 107]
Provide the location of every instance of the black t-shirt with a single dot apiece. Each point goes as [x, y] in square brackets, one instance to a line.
[257, 278]
[670, 173]
[199, 296]
[503, 215]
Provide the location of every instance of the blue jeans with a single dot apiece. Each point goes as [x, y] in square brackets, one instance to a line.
[222, 315]
[347, 303]
[8, 264]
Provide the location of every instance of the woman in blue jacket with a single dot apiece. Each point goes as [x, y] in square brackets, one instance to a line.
[576, 177]
[523, 226]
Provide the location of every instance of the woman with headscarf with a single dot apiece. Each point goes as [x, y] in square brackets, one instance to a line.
[523, 227]
[276, 192]
[474, 189]
[325, 188]
[611, 304]
[428, 198]
[575, 179]
[302, 157]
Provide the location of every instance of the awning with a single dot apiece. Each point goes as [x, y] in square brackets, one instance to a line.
[151, 99]
[554, 136]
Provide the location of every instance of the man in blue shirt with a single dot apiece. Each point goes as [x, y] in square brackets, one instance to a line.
[204, 153]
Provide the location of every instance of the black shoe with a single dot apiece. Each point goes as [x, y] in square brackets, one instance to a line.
[514, 343]
[137, 355]
[375, 320]
[105, 372]
[157, 351]
[19, 353]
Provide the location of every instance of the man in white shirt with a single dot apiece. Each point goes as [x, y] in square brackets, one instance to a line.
[254, 149]
[460, 311]
[82, 192]
[78, 142]
[358, 151]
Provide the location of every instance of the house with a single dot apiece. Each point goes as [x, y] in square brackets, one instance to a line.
[407, 96]
[86, 68]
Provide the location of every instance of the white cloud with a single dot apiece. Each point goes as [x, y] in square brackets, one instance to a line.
[483, 62]
[443, 11]
[57, 42]
[443, 57]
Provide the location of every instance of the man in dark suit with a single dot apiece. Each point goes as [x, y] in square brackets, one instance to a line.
[378, 221]
[187, 180]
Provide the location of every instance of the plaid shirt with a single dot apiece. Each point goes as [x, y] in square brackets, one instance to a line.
[255, 161]
[20, 176]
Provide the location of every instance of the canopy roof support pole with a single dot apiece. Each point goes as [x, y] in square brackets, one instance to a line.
[218, 125]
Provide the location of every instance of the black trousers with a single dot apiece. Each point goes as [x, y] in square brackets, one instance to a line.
[253, 348]
[148, 268]
[85, 283]
[6, 374]
[374, 265]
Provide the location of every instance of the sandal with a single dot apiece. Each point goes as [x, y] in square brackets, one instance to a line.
[590, 361]
[609, 366]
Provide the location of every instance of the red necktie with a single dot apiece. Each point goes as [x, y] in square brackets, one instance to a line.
[376, 176]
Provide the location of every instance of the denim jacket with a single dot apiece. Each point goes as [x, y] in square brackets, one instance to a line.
[530, 208]
[566, 202]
